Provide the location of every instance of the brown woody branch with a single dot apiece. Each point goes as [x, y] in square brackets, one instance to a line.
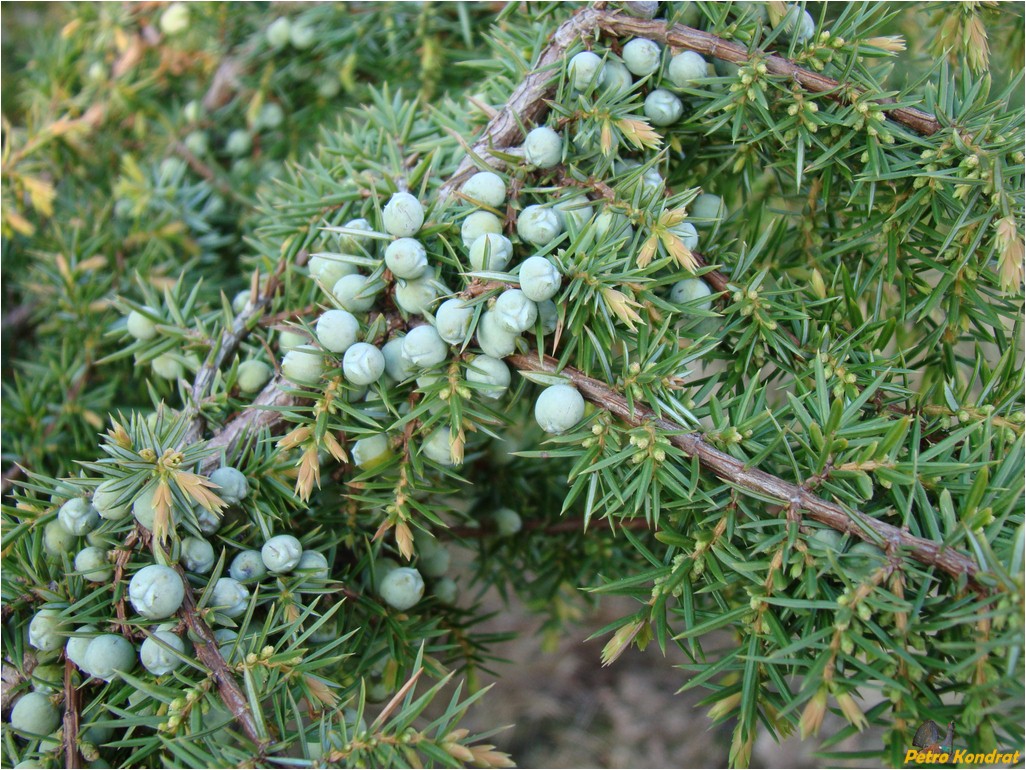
[70, 738]
[737, 473]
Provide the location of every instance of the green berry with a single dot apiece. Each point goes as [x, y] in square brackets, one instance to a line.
[515, 312]
[543, 147]
[616, 77]
[485, 188]
[687, 233]
[107, 654]
[402, 588]
[74, 649]
[241, 301]
[47, 630]
[642, 56]
[538, 225]
[302, 36]
[35, 714]
[78, 516]
[403, 215]
[238, 143]
[106, 500]
[453, 319]
[157, 659]
[491, 373]
[141, 326]
[663, 108]
[477, 224]
[490, 252]
[438, 446]
[314, 565]
[156, 592]
[356, 293]
[337, 330]
[232, 483]
[559, 408]
[350, 242]
[539, 279]
[175, 19]
[416, 296]
[641, 9]
[330, 268]
[253, 375]
[707, 208]
[548, 315]
[583, 68]
[424, 348]
[278, 32]
[406, 258]
[94, 565]
[370, 451]
[208, 522]
[197, 555]
[303, 365]
[507, 521]
[396, 366]
[798, 24]
[281, 553]
[56, 539]
[687, 67]
[247, 565]
[689, 291]
[271, 115]
[290, 340]
[197, 142]
[446, 590]
[363, 364]
[229, 597]
[494, 339]
[168, 366]
[575, 209]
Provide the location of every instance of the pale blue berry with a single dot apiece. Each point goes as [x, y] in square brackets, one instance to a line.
[406, 258]
[233, 486]
[47, 630]
[493, 339]
[356, 293]
[402, 588]
[35, 714]
[156, 592]
[229, 597]
[197, 555]
[477, 224]
[538, 225]
[543, 147]
[515, 312]
[337, 330]
[78, 516]
[363, 364]
[490, 252]
[160, 660]
[491, 374]
[642, 56]
[663, 108]
[559, 408]
[583, 68]
[403, 215]
[281, 553]
[93, 564]
[247, 565]
[303, 365]
[418, 295]
[453, 319]
[685, 68]
[688, 291]
[107, 655]
[424, 348]
[539, 279]
[485, 188]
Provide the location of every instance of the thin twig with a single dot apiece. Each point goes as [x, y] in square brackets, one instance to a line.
[70, 739]
[738, 473]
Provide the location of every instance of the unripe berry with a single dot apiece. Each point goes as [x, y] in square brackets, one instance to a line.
[289, 339]
[403, 215]
[453, 319]
[446, 590]
[168, 367]
[159, 660]
[302, 36]
[417, 296]
[543, 147]
[559, 408]
[253, 375]
[685, 68]
[271, 115]
[281, 553]
[34, 713]
[108, 654]
[175, 19]
[247, 565]
[424, 348]
[493, 339]
[105, 501]
[798, 24]
[337, 330]
[642, 56]
[486, 188]
[688, 290]
[197, 142]
[76, 646]
[687, 233]
[356, 293]
[515, 312]
[156, 592]
[140, 326]
[406, 258]
[507, 521]
[613, 224]
[576, 209]
[548, 316]
[477, 224]
[314, 565]
[94, 565]
[197, 555]
[303, 366]
[350, 243]
[707, 207]
[538, 225]
[396, 366]
[278, 32]
[330, 268]
[233, 484]
[56, 539]
[402, 588]
[78, 516]
[47, 629]
[490, 252]
[370, 451]
[663, 108]
[438, 446]
[616, 77]
[238, 143]
[583, 69]
[363, 364]
[229, 597]
[641, 9]
[490, 372]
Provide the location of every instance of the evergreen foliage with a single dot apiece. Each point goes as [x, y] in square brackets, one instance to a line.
[795, 314]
